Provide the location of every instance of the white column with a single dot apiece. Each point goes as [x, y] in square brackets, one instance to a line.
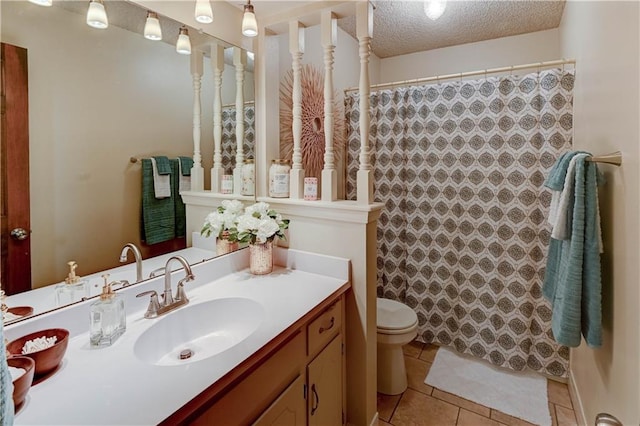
[239, 61]
[217, 66]
[329, 24]
[197, 172]
[364, 27]
[296, 48]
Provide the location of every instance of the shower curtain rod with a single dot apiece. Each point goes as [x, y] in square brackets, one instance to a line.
[460, 75]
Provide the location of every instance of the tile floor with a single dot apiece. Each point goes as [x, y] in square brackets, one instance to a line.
[423, 405]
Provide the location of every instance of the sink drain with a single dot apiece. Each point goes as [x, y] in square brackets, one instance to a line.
[186, 354]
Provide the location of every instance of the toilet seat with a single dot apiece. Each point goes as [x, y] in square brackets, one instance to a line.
[395, 317]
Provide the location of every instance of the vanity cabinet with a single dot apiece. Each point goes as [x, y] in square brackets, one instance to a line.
[296, 379]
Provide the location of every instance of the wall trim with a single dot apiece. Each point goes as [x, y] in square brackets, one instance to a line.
[576, 401]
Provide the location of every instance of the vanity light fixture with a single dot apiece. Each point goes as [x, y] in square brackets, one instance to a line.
[434, 8]
[96, 15]
[249, 24]
[204, 14]
[183, 46]
[152, 30]
[42, 2]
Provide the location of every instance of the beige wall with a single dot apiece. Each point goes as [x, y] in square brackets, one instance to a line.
[603, 37]
[522, 49]
[96, 98]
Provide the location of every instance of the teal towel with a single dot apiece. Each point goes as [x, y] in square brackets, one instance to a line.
[158, 215]
[186, 163]
[179, 208]
[163, 165]
[572, 278]
[6, 385]
[558, 172]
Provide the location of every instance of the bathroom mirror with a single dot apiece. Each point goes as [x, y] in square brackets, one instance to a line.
[97, 98]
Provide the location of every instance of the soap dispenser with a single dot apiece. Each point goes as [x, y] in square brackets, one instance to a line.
[108, 319]
[73, 289]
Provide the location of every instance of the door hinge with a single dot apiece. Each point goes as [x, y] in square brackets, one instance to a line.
[304, 391]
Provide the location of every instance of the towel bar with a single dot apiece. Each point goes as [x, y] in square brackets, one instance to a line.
[614, 158]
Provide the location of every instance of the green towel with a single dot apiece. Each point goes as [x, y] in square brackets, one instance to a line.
[179, 208]
[186, 163]
[158, 215]
[162, 164]
[572, 278]
[558, 172]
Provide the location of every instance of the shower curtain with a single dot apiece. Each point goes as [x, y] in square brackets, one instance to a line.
[463, 236]
[228, 142]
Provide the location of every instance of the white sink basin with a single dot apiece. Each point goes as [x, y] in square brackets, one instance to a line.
[205, 329]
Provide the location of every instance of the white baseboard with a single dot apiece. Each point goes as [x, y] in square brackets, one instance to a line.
[578, 408]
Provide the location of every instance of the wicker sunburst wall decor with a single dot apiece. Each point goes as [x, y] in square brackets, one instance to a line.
[312, 142]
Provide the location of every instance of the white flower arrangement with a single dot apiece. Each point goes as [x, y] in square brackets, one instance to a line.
[222, 221]
[260, 224]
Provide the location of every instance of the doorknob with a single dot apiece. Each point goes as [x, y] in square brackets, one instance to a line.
[19, 234]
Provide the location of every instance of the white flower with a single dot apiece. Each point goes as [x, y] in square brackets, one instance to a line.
[267, 228]
[247, 223]
[213, 224]
[260, 208]
[232, 206]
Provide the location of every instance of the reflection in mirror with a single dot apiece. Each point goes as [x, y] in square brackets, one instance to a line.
[96, 99]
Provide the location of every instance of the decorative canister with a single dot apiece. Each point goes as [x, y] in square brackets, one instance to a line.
[310, 188]
[248, 178]
[279, 179]
[227, 184]
[261, 258]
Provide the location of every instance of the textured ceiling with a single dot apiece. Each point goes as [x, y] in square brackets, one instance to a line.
[401, 27]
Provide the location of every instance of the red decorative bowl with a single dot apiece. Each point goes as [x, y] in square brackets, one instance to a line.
[22, 384]
[46, 359]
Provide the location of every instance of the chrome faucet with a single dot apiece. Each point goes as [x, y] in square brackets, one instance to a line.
[136, 253]
[169, 303]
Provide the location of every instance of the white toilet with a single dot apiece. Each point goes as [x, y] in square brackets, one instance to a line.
[397, 325]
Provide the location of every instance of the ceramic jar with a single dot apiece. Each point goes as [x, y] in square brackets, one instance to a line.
[279, 179]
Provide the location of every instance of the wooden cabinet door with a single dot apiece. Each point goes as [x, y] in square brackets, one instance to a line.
[325, 386]
[288, 409]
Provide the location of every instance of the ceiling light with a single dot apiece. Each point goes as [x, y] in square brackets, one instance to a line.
[204, 14]
[183, 46]
[249, 24]
[96, 15]
[42, 2]
[435, 8]
[152, 29]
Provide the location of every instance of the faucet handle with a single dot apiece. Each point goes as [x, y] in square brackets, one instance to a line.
[180, 293]
[157, 271]
[154, 305]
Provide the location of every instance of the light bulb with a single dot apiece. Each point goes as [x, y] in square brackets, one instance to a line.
[435, 8]
[42, 2]
[96, 15]
[204, 14]
[183, 46]
[249, 24]
[152, 30]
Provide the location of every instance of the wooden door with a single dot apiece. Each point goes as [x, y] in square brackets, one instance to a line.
[15, 248]
[325, 386]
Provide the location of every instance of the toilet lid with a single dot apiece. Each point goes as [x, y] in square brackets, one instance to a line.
[394, 315]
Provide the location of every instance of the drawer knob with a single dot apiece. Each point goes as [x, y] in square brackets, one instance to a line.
[329, 327]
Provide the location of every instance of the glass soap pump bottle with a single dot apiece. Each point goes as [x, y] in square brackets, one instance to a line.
[73, 289]
[108, 317]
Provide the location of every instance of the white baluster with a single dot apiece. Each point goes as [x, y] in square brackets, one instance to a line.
[197, 172]
[239, 61]
[217, 66]
[329, 25]
[296, 48]
[364, 26]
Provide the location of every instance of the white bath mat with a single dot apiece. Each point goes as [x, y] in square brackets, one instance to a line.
[519, 394]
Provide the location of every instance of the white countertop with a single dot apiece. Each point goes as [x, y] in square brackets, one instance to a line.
[113, 386]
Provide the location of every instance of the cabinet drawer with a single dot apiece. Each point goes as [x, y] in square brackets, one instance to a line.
[321, 330]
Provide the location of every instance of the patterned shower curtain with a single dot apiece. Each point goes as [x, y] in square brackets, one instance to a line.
[463, 237]
[228, 143]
